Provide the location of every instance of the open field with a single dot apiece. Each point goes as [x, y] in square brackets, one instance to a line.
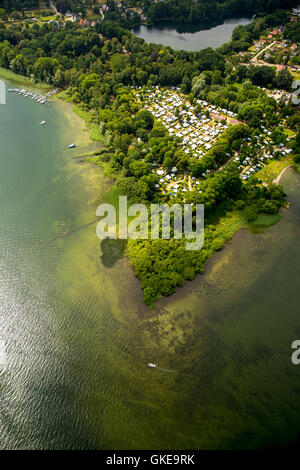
[48, 18]
[273, 169]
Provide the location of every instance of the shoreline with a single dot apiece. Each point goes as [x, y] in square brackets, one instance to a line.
[67, 106]
[77, 129]
[189, 27]
[279, 177]
[87, 146]
[9, 76]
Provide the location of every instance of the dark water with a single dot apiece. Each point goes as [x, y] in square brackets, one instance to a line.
[77, 336]
[192, 40]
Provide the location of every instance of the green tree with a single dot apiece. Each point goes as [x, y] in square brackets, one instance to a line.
[284, 79]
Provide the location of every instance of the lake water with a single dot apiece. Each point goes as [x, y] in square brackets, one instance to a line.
[168, 35]
[75, 335]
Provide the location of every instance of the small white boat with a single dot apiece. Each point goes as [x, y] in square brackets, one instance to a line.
[71, 146]
[43, 122]
[151, 365]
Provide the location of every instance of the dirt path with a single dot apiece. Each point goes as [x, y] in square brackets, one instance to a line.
[228, 161]
[53, 7]
[170, 185]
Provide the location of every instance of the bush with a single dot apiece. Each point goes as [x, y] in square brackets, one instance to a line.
[217, 244]
[239, 205]
[251, 213]
[269, 208]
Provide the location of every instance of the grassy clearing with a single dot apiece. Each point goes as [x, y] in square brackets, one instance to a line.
[85, 115]
[95, 134]
[112, 196]
[266, 220]
[289, 132]
[63, 95]
[273, 169]
[296, 75]
[263, 221]
[20, 79]
[235, 221]
[48, 18]
[230, 224]
[105, 165]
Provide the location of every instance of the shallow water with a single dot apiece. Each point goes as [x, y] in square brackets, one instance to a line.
[78, 337]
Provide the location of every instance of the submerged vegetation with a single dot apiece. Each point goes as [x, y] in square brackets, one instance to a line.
[102, 68]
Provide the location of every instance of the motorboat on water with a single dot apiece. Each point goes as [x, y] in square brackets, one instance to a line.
[71, 146]
[151, 365]
[43, 122]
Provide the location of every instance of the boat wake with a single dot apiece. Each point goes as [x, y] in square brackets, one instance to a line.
[166, 370]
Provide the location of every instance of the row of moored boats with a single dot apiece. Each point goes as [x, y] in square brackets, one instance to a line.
[42, 99]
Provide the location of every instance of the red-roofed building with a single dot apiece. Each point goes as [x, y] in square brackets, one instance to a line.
[275, 32]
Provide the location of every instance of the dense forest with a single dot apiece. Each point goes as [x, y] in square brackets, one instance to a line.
[204, 13]
[100, 67]
[209, 12]
[18, 5]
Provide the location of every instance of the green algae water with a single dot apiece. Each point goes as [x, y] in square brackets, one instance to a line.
[77, 336]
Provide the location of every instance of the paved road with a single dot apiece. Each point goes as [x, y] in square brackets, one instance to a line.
[254, 58]
[261, 62]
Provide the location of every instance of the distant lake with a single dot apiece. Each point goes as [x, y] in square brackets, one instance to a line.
[168, 35]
